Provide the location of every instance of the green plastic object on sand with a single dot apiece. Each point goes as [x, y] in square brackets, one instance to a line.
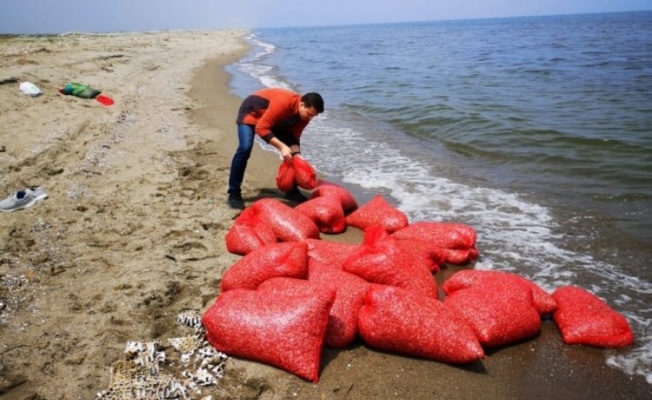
[85, 92]
[79, 90]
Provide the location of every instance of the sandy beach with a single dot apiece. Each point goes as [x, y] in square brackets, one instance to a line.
[132, 235]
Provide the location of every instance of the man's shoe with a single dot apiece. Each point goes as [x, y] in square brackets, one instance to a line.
[23, 198]
[236, 202]
[296, 195]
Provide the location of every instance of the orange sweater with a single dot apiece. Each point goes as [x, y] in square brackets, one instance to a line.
[273, 112]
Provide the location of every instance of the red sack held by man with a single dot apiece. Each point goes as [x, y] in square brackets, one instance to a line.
[285, 178]
[304, 173]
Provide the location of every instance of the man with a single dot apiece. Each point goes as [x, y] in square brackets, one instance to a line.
[278, 116]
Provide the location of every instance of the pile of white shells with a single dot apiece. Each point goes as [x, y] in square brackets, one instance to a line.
[139, 375]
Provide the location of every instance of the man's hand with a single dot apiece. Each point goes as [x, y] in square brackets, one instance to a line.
[285, 150]
[286, 153]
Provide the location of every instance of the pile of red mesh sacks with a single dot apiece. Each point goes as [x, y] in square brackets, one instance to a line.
[292, 293]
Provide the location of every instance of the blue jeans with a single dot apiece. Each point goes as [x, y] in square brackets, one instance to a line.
[240, 158]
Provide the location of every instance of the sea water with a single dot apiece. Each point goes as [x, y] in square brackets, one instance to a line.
[535, 131]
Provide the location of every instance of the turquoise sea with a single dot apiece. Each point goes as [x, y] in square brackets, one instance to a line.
[536, 131]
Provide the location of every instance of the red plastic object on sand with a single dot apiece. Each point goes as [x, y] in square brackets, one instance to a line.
[107, 101]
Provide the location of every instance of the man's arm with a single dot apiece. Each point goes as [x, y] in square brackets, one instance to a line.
[277, 110]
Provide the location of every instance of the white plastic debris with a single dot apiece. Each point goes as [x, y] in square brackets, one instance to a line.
[30, 89]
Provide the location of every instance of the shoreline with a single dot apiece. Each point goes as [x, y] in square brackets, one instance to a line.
[506, 373]
[133, 234]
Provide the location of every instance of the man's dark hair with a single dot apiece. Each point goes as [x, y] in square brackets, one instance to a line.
[313, 100]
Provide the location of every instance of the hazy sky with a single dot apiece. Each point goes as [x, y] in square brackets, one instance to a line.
[57, 16]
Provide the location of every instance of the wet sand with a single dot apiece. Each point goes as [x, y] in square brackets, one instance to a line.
[133, 232]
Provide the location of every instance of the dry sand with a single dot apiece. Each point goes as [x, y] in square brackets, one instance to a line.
[133, 234]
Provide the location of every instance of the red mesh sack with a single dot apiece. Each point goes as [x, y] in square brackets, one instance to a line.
[381, 260]
[444, 234]
[277, 259]
[349, 291]
[583, 318]
[464, 279]
[248, 233]
[326, 212]
[498, 315]
[401, 321]
[329, 253]
[432, 257]
[461, 256]
[325, 188]
[285, 177]
[279, 329]
[378, 212]
[287, 285]
[458, 240]
[474, 253]
[288, 224]
[304, 174]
